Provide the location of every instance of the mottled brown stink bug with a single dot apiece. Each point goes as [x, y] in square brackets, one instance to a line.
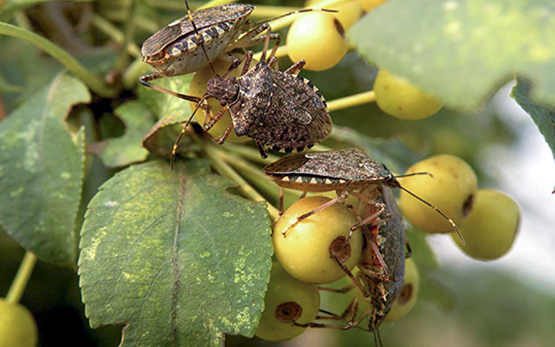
[382, 270]
[381, 266]
[346, 171]
[278, 110]
[190, 43]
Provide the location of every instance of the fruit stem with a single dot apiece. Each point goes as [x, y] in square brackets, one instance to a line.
[352, 100]
[216, 157]
[21, 278]
[114, 34]
[131, 75]
[251, 154]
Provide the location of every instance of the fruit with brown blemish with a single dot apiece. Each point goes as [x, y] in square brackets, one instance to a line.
[450, 186]
[288, 301]
[409, 293]
[491, 228]
[400, 98]
[309, 249]
[318, 38]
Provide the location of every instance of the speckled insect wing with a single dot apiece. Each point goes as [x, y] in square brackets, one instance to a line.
[217, 27]
[281, 111]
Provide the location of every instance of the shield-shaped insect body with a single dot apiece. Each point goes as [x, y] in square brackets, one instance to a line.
[176, 49]
[278, 110]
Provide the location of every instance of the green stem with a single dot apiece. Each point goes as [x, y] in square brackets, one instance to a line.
[250, 153]
[131, 75]
[114, 34]
[261, 181]
[353, 100]
[92, 81]
[128, 30]
[216, 156]
[21, 278]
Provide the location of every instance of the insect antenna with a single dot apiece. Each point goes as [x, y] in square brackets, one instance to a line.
[414, 174]
[377, 338]
[291, 13]
[438, 211]
[180, 136]
[199, 38]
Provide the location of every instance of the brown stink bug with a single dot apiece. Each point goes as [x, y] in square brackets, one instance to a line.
[347, 171]
[381, 268]
[190, 43]
[278, 110]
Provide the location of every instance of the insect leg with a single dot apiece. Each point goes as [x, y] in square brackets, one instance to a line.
[349, 274]
[409, 250]
[369, 218]
[291, 13]
[208, 125]
[145, 79]
[342, 196]
[248, 59]
[280, 201]
[224, 136]
[251, 38]
[343, 290]
[261, 150]
[295, 68]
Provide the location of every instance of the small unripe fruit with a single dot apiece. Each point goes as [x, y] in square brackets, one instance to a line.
[305, 251]
[369, 5]
[491, 227]
[409, 293]
[17, 326]
[198, 88]
[319, 39]
[348, 13]
[450, 188]
[287, 301]
[402, 99]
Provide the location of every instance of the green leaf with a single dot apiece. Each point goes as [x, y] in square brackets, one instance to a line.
[174, 256]
[543, 114]
[126, 149]
[462, 51]
[169, 111]
[41, 171]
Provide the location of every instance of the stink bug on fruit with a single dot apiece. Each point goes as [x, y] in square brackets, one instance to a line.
[346, 171]
[382, 282]
[190, 43]
[381, 265]
[279, 110]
